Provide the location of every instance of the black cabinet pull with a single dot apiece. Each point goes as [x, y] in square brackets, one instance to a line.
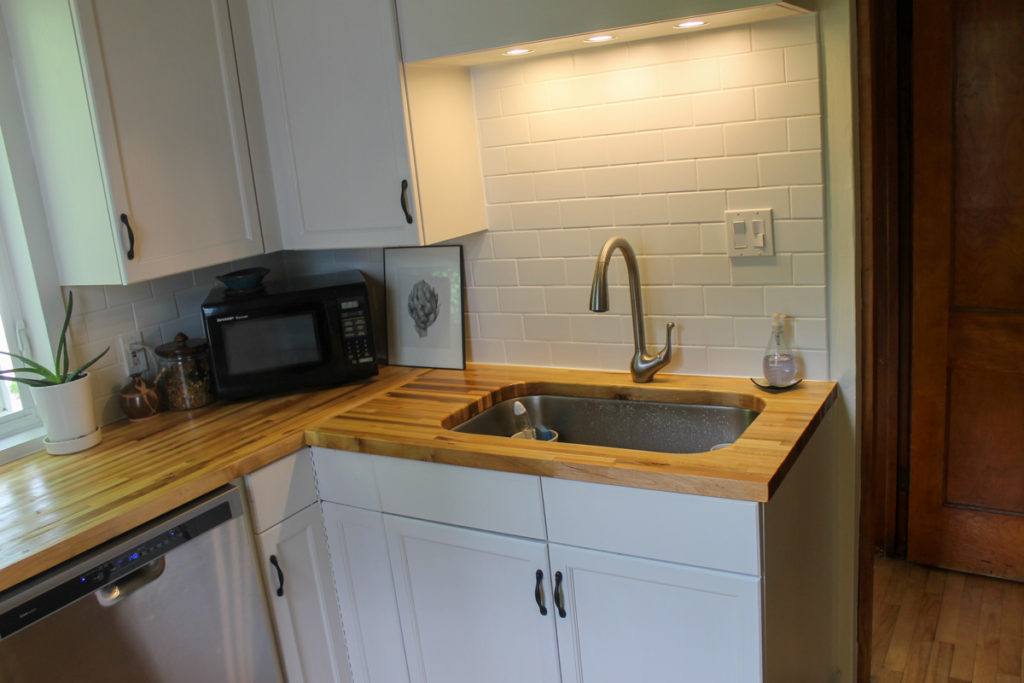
[280, 575]
[131, 237]
[538, 593]
[405, 201]
[559, 596]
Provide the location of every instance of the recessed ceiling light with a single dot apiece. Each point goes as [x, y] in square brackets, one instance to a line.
[600, 39]
[517, 51]
[692, 24]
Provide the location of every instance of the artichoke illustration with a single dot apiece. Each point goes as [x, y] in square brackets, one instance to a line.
[423, 306]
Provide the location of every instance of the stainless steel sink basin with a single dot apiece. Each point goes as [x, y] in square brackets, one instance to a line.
[620, 423]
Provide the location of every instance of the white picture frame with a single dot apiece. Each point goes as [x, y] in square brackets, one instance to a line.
[425, 306]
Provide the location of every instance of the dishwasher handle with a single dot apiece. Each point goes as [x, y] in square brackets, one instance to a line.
[110, 595]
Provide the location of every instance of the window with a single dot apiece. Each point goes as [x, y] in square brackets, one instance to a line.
[16, 410]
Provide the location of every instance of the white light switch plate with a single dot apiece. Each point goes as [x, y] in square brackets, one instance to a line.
[750, 232]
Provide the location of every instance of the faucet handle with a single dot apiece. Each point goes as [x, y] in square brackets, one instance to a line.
[666, 353]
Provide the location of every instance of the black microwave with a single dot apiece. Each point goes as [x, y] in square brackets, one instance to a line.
[290, 335]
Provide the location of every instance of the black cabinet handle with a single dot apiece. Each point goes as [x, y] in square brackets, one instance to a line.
[280, 575]
[538, 593]
[559, 596]
[405, 201]
[131, 237]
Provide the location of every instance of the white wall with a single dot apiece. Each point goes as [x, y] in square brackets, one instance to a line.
[651, 140]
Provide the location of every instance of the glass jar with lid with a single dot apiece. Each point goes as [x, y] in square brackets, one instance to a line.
[184, 375]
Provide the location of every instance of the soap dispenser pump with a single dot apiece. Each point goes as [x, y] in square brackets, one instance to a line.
[779, 364]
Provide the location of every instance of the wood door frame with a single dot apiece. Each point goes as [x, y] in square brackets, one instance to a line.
[883, 75]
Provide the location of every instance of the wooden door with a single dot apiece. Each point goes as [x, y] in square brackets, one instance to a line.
[966, 508]
[469, 604]
[632, 619]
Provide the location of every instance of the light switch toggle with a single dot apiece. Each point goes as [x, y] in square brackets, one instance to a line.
[750, 232]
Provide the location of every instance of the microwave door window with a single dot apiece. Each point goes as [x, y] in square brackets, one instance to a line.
[271, 343]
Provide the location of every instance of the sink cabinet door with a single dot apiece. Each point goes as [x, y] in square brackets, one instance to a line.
[467, 604]
[302, 598]
[632, 619]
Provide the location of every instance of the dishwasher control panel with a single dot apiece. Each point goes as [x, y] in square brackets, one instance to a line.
[76, 578]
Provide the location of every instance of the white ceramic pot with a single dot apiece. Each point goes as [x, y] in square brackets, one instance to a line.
[68, 415]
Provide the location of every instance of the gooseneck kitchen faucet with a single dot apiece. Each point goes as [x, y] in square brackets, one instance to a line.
[643, 366]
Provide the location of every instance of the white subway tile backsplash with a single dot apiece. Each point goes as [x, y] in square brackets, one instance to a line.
[541, 272]
[683, 78]
[515, 245]
[521, 299]
[500, 325]
[790, 168]
[671, 239]
[756, 137]
[727, 173]
[156, 310]
[753, 68]
[804, 133]
[494, 273]
[671, 176]
[802, 62]
[799, 236]
[807, 201]
[644, 210]
[87, 299]
[694, 143]
[511, 130]
[663, 113]
[796, 301]
[701, 270]
[586, 213]
[547, 327]
[809, 269]
[696, 207]
[734, 300]
[784, 32]
[117, 296]
[789, 99]
[763, 270]
[724, 106]
[651, 141]
[509, 188]
[107, 323]
[613, 180]
[525, 99]
[528, 158]
[535, 215]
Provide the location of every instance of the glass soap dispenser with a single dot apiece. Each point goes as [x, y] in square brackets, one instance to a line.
[779, 364]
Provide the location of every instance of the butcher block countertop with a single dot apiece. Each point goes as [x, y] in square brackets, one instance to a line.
[53, 508]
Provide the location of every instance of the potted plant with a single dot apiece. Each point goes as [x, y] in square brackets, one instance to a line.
[61, 395]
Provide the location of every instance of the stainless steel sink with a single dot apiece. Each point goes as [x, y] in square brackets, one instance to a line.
[620, 423]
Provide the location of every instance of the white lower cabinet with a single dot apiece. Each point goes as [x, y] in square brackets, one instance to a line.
[475, 606]
[298, 577]
[632, 619]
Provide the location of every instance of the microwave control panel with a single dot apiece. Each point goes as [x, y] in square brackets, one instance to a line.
[355, 331]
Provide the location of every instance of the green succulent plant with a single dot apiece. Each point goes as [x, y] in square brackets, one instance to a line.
[41, 376]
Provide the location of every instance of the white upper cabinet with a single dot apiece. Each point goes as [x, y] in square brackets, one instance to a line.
[439, 28]
[339, 131]
[136, 120]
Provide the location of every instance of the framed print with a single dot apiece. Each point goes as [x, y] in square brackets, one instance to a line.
[424, 305]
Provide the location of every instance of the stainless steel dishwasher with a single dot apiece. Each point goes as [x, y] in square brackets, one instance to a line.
[178, 599]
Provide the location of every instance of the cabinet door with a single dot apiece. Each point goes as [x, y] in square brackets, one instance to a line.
[330, 84]
[302, 598]
[366, 593]
[630, 619]
[467, 603]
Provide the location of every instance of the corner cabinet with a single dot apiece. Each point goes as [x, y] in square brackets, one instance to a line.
[357, 158]
[492, 576]
[296, 571]
[135, 115]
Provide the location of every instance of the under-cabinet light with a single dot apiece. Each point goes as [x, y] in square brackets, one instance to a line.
[600, 39]
[517, 51]
[692, 24]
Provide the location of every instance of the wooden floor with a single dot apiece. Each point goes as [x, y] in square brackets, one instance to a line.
[935, 625]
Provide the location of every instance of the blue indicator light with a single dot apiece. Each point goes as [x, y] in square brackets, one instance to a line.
[133, 556]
